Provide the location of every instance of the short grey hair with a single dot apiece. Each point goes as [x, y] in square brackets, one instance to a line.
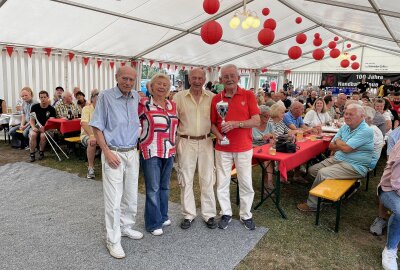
[264, 109]
[358, 107]
[230, 66]
[66, 93]
[369, 114]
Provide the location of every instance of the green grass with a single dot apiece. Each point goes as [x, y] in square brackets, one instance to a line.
[295, 243]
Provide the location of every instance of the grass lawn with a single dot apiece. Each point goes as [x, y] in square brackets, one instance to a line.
[295, 243]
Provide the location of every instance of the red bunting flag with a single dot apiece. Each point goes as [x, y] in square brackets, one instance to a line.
[99, 63]
[168, 66]
[176, 67]
[122, 64]
[9, 50]
[219, 68]
[48, 51]
[71, 56]
[112, 64]
[160, 65]
[183, 67]
[151, 62]
[191, 68]
[209, 69]
[29, 51]
[133, 64]
[85, 60]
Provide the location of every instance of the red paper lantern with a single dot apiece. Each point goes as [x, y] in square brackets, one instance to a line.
[270, 23]
[318, 54]
[344, 63]
[301, 38]
[317, 42]
[266, 36]
[211, 6]
[334, 53]
[353, 57]
[332, 45]
[316, 35]
[348, 45]
[265, 11]
[294, 52]
[355, 65]
[336, 38]
[211, 32]
[264, 70]
[298, 20]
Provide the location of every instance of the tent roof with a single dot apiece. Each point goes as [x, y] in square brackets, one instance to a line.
[168, 31]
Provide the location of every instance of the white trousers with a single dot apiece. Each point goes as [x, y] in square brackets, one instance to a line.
[120, 187]
[242, 161]
[200, 154]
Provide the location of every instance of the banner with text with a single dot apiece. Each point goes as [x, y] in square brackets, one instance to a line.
[344, 80]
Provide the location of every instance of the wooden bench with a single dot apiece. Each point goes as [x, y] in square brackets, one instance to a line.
[71, 142]
[332, 190]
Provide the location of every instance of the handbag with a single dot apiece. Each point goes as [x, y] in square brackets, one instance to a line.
[285, 144]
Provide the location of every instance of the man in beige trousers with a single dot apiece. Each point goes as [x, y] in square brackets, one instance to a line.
[195, 149]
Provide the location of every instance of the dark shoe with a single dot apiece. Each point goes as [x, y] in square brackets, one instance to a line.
[225, 220]
[248, 224]
[211, 223]
[32, 157]
[186, 223]
[41, 155]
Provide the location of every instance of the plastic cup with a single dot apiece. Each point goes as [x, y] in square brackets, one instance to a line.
[272, 151]
[299, 136]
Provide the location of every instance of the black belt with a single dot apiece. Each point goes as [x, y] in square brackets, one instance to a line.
[120, 149]
[197, 138]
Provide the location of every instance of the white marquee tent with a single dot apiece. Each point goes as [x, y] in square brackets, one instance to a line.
[109, 32]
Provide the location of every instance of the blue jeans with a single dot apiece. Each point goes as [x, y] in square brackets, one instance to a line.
[157, 174]
[392, 201]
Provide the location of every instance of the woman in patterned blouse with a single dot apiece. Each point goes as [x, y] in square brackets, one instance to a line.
[159, 123]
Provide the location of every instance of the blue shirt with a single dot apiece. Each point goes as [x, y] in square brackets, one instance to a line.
[393, 138]
[289, 119]
[361, 140]
[117, 117]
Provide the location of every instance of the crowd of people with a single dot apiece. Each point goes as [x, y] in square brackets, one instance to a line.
[174, 131]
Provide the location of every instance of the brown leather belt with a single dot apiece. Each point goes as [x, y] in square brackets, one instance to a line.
[197, 138]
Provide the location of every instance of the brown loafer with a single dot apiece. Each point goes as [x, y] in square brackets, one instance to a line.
[305, 208]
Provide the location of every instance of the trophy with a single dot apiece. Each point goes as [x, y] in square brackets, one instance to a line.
[222, 110]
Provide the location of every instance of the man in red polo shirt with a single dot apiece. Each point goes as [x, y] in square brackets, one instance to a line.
[243, 114]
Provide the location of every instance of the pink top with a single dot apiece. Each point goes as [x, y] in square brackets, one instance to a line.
[390, 180]
[158, 128]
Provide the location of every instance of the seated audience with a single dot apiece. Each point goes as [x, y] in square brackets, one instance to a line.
[268, 99]
[27, 97]
[352, 149]
[87, 136]
[317, 116]
[388, 190]
[65, 106]
[57, 95]
[311, 99]
[329, 106]
[286, 101]
[378, 136]
[379, 106]
[43, 112]
[80, 101]
[339, 105]
[292, 118]
[277, 113]
[263, 132]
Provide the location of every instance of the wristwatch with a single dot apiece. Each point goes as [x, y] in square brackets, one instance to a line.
[241, 124]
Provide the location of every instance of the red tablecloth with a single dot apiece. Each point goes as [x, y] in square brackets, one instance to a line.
[288, 161]
[64, 125]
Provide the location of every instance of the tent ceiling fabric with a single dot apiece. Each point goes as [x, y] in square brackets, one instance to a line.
[168, 31]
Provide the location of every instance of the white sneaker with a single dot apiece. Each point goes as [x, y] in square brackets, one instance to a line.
[167, 223]
[389, 259]
[157, 232]
[128, 232]
[116, 250]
